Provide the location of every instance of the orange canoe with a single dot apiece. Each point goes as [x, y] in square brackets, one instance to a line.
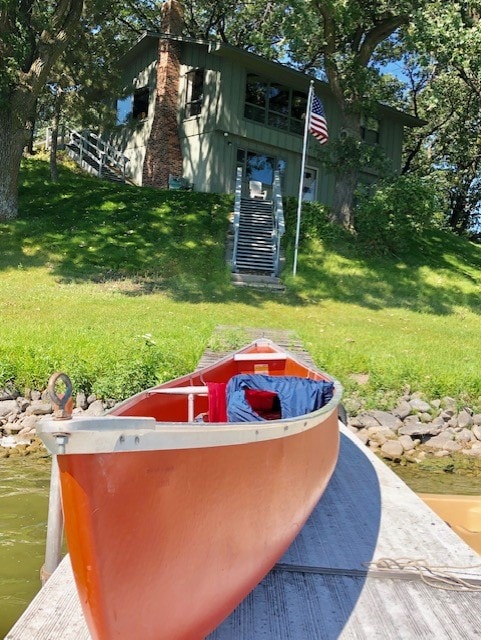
[175, 508]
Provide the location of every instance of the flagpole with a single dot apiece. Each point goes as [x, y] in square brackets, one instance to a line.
[303, 165]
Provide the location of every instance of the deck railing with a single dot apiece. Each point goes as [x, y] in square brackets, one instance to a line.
[92, 150]
[236, 221]
[279, 223]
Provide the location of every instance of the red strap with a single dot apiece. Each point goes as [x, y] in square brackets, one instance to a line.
[217, 401]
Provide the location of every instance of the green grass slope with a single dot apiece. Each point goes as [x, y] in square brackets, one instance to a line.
[121, 287]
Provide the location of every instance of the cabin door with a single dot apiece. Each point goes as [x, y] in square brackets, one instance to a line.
[309, 185]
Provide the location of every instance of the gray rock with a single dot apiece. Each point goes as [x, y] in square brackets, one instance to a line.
[91, 399]
[39, 408]
[377, 434]
[407, 443]
[26, 431]
[95, 409]
[477, 418]
[443, 442]
[363, 436]
[418, 429]
[403, 410]
[465, 419]
[366, 420]
[29, 422]
[419, 405]
[387, 419]
[7, 407]
[392, 450]
[355, 422]
[476, 431]
[81, 401]
[13, 427]
[23, 403]
[447, 414]
[425, 417]
[465, 435]
[474, 450]
[439, 423]
[448, 403]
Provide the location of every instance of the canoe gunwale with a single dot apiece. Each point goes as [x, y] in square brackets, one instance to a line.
[112, 433]
[109, 434]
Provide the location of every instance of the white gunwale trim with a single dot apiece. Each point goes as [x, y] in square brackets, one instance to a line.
[109, 434]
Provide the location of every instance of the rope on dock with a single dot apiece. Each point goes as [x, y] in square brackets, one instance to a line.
[436, 577]
[401, 568]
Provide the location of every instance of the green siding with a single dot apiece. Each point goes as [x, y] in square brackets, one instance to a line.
[210, 140]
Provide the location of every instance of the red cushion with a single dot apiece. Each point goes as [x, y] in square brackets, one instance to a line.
[265, 403]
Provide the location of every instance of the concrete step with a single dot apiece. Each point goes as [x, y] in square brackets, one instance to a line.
[258, 281]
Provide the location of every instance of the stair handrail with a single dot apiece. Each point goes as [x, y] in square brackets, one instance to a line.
[98, 150]
[279, 222]
[236, 220]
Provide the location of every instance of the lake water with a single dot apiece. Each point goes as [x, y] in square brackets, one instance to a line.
[24, 486]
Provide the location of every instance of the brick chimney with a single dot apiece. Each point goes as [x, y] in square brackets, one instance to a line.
[163, 155]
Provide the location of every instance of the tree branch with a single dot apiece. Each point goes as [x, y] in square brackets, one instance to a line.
[52, 43]
[377, 34]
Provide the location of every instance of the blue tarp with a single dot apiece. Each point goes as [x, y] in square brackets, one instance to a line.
[297, 396]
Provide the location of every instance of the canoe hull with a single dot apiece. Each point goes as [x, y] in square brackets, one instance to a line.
[170, 523]
[212, 543]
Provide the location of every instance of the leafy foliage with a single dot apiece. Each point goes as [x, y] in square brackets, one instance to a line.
[396, 209]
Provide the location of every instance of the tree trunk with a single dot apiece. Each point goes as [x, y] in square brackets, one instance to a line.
[345, 186]
[459, 217]
[54, 136]
[13, 138]
[347, 170]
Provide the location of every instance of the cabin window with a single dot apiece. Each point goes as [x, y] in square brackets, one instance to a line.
[194, 92]
[133, 107]
[256, 93]
[140, 105]
[298, 112]
[278, 106]
[274, 104]
[370, 130]
[124, 109]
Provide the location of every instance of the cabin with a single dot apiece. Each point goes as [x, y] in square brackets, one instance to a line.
[196, 111]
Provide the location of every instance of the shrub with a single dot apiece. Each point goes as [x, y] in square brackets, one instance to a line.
[315, 222]
[387, 216]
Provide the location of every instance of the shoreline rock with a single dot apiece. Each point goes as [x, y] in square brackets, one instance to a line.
[412, 431]
[416, 429]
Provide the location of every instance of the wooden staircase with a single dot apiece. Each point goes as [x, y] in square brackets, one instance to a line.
[255, 249]
[96, 156]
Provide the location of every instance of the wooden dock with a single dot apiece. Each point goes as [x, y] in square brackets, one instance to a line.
[372, 562]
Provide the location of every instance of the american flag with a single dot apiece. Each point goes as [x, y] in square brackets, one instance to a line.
[318, 122]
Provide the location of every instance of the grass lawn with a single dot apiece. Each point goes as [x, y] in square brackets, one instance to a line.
[121, 286]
